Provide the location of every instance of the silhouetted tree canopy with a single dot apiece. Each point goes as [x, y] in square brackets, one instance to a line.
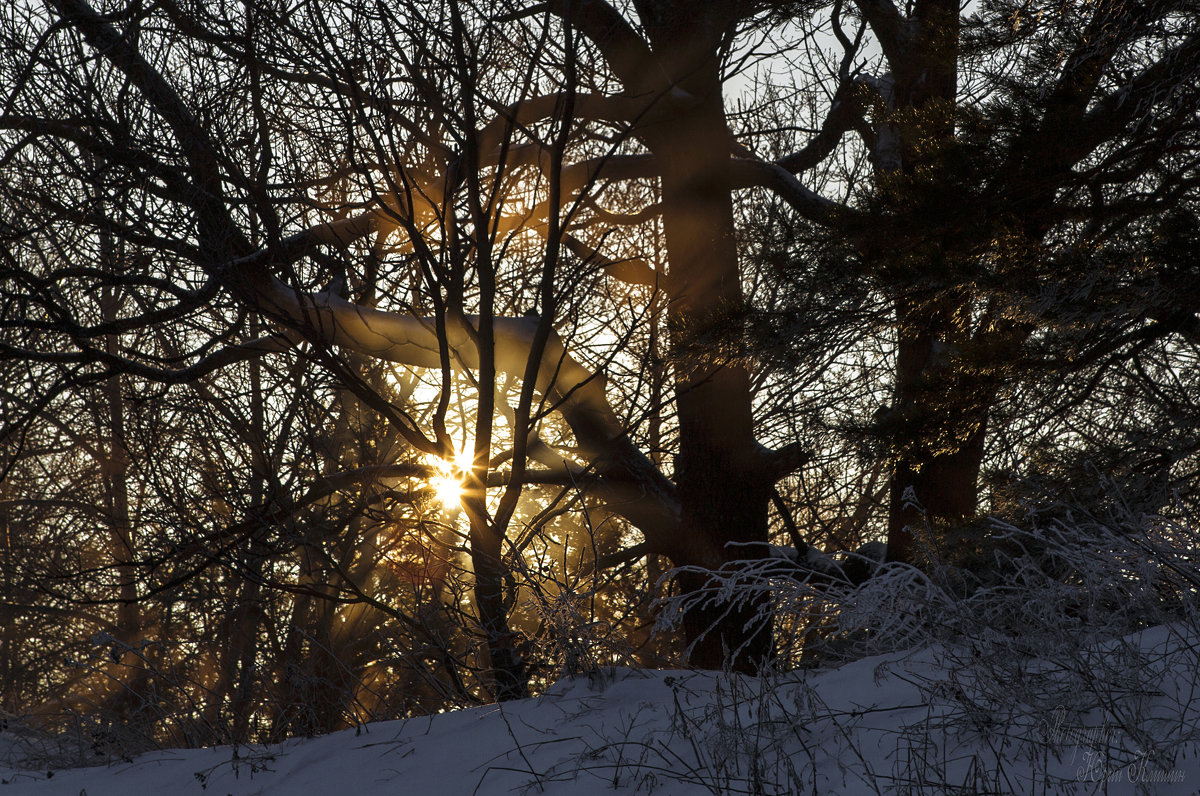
[640, 285]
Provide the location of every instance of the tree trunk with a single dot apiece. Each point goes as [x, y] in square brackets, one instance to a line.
[929, 494]
[129, 696]
[940, 419]
[940, 414]
[723, 495]
[511, 681]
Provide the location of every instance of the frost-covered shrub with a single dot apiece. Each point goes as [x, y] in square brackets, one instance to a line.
[1073, 580]
[1057, 653]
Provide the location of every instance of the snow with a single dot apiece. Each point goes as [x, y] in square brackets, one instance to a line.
[1115, 717]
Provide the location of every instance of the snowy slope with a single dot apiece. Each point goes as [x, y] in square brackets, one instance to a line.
[1120, 717]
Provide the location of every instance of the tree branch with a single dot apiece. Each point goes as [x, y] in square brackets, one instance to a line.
[845, 114]
[626, 52]
[749, 172]
[633, 271]
[890, 28]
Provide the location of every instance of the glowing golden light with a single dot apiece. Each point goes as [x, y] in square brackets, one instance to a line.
[448, 483]
[449, 490]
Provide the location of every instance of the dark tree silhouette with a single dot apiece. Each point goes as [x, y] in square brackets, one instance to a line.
[400, 182]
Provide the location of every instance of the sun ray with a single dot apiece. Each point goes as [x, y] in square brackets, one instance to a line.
[449, 490]
[447, 483]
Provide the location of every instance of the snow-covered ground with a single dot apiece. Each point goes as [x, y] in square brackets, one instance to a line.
[1118, 717]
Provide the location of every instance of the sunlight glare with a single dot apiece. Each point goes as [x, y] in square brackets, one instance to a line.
[448, 483]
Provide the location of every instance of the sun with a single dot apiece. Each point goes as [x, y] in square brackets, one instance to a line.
[448, 482]
[448, 489]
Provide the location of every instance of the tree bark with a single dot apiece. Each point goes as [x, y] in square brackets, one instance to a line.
[931, 493]
[939, 417]
[722, 492]
[507, 665]
[130, 673]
